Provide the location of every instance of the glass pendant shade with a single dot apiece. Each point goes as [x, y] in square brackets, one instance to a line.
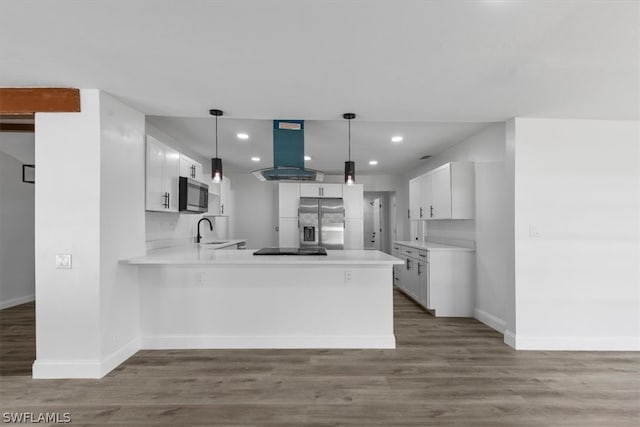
[216, 169]
[349, 172]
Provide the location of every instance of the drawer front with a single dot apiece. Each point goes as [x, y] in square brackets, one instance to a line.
[423, 255]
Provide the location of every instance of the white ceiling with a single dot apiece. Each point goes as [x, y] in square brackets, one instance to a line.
[326, 142]
[388, 61]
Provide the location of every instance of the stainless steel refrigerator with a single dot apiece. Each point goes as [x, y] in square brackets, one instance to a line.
[321, 222]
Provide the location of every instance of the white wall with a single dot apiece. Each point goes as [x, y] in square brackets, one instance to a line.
[255, 210]
[577, 280]
[167, 228]
[67, 219]
[486, 149]
[17, 247]
[122, 225]
[89, 197]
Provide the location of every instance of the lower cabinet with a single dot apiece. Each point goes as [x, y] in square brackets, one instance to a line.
[439, 280]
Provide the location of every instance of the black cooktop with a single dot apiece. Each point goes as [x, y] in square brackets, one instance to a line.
[291, 251]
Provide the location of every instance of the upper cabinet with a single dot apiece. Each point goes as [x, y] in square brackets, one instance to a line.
[443, 193]
[162, 171]
[190, 168]
[220, 205]
[320, 190]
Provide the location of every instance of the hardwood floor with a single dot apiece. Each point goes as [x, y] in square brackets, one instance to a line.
[444, 372]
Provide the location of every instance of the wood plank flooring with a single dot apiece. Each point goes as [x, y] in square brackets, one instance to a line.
[444, 372]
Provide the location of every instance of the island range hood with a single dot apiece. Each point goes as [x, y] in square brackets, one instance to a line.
[288, 155]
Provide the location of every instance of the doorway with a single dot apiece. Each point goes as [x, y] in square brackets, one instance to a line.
[378, 224]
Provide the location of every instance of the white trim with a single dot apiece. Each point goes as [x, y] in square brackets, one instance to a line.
[597, 343]
[490, 320]
[510, 338]
[163, 342]
[113, 360]
[48, 369]
[17, 301]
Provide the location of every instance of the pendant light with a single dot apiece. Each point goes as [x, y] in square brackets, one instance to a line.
[349, 166]
[216, 162]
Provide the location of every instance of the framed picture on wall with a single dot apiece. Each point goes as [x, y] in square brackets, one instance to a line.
[29, 174]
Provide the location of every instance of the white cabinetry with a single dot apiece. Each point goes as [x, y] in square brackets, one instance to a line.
[190, 168]
[288, 236]
[439, 280]
[354, 233]
[288, 200]
[220, 205]
[443, 193]
[162, 171]
[320, 190]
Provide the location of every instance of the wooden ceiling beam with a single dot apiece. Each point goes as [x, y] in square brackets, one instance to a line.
[17, 127]
[24, 101]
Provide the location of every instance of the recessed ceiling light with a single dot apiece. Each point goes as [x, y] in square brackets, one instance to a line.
[373, 162]
[255, 159]
[307, 157]
[243, 136]
[396, 138]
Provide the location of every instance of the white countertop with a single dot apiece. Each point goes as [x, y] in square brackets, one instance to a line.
[205, 254]
[433, 246]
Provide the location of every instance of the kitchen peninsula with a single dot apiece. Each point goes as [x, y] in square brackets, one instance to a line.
[194, 297]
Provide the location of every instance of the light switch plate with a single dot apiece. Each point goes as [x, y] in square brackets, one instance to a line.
[63, 261]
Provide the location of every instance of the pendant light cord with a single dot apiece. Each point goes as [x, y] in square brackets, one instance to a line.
[216, 136]
[349, 139]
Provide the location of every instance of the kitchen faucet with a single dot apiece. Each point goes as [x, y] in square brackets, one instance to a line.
[199, 237]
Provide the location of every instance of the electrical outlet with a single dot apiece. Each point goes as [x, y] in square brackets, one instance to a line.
[63, 261]
[347, 276]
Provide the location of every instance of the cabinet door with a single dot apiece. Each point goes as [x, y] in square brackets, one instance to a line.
[353, 196]
[422, 282]
[441, 185]
[288, 236]
[414, 198]
[186, 168]
[170, 174]
[354, 233]
[198, 174]
[426, 195]
[288, 200]
[331, 190]
[225, 196]
[310, 190]
[154, 196]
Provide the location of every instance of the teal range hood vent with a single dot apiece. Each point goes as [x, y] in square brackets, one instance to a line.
[288, 155]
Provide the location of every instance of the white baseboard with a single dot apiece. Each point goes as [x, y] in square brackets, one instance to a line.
[490, 320]
[510, 338]
[113, 360]
[606, 343]
[17, 301]
[49, 369]
[164, 342]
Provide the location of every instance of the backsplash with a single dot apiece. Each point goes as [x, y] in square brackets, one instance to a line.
[448, 232]
[166, 229]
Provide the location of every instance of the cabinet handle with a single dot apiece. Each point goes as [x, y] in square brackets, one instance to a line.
[408, 264]
[168, 200]
[408, 213]
[431, 211]
[419, 272]
[420, 211]
[221, 209]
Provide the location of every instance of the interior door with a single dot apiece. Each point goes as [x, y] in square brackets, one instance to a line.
[375, 233]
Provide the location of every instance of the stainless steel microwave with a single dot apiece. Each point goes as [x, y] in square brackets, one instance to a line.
[193, 196]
